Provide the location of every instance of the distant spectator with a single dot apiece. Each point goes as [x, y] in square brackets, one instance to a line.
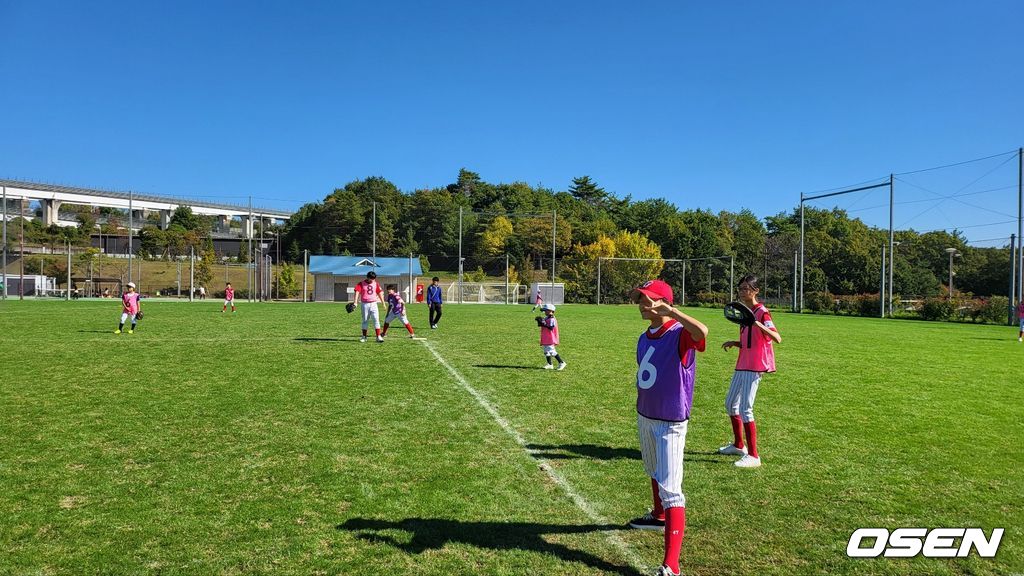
[434, 302]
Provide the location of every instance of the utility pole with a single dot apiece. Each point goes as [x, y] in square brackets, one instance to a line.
[1013, 278]
[1020, 223]
[800, 307]
[881, 291]
[305, 272]
[131, 223]
[69, 271]
[4, 295]
[732, 279]
[191, 272]
[21, 283]
[460, 254]
[263, 265]
[249, 270]
[554, 226]
[892, 242]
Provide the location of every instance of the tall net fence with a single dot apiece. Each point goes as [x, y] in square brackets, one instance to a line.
[94, 274]
[955, 232]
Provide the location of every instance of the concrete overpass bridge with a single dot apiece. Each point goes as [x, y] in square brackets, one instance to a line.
[51, 197]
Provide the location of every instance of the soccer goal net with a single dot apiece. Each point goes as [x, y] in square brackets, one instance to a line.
[694, 281]
[487, 293]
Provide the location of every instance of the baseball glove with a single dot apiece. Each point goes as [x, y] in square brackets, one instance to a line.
[738, 312]
[138, 315]
[539, 320]
[350, 307]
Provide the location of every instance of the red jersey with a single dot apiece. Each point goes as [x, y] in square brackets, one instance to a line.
[368, 291]
[756, 352]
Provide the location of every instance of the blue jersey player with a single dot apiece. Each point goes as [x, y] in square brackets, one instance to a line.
[666, 356]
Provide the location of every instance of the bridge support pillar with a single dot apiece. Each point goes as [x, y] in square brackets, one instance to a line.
[50, 208]
[165, 219]
[223, 223]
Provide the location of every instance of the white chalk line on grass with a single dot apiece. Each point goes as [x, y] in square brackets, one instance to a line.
[618, 543]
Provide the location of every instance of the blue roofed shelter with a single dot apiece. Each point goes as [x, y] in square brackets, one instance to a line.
[335, 277]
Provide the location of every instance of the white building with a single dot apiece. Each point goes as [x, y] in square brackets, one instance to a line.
[335, 277]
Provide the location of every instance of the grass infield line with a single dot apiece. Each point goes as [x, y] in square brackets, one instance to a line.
[616, 542]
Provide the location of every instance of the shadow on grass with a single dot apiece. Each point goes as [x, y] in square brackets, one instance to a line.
[508, 366]
[95, 331]
[324, 339]
[435, 533]
[566, 451]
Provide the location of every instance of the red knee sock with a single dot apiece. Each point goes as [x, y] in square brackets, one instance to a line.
[675, 528]
[658, 511]
[751, 429]
[376, 331]
[737, 430]
[409, 328]
[385, 330]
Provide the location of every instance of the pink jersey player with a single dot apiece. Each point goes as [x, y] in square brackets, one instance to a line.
[1020, 319]
[229, 298]
[368, 294]
[549, 337]
[756, 357]
[129, 308]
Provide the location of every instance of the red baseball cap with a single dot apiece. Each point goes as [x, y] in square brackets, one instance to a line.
[656, 289]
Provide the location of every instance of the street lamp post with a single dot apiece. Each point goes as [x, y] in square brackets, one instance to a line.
[892, 270]
[952, 252]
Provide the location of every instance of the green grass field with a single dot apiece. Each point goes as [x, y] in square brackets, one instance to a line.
[272, 441]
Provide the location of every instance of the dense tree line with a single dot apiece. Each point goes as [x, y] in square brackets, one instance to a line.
[843, 254]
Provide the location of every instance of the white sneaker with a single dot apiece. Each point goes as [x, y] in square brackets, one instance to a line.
[433, 326]
[748, 461]
[561, 366]
[732, 450]
[666, 571]
[549, 367]
[380, 338]
[412, 336]
[362, 338]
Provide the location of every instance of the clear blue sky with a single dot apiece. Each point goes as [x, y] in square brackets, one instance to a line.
[716, 105]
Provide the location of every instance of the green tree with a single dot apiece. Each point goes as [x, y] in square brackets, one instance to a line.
[204, 267]
[185, 219]
[617, 276]
[494, 238]
[287, 285]
[587, 191]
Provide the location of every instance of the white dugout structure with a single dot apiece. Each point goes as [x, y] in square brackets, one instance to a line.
[335, 277]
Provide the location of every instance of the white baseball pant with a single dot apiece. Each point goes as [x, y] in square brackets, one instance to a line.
[370, 311]
[739, 401]
[391, 317]
[661, 446]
